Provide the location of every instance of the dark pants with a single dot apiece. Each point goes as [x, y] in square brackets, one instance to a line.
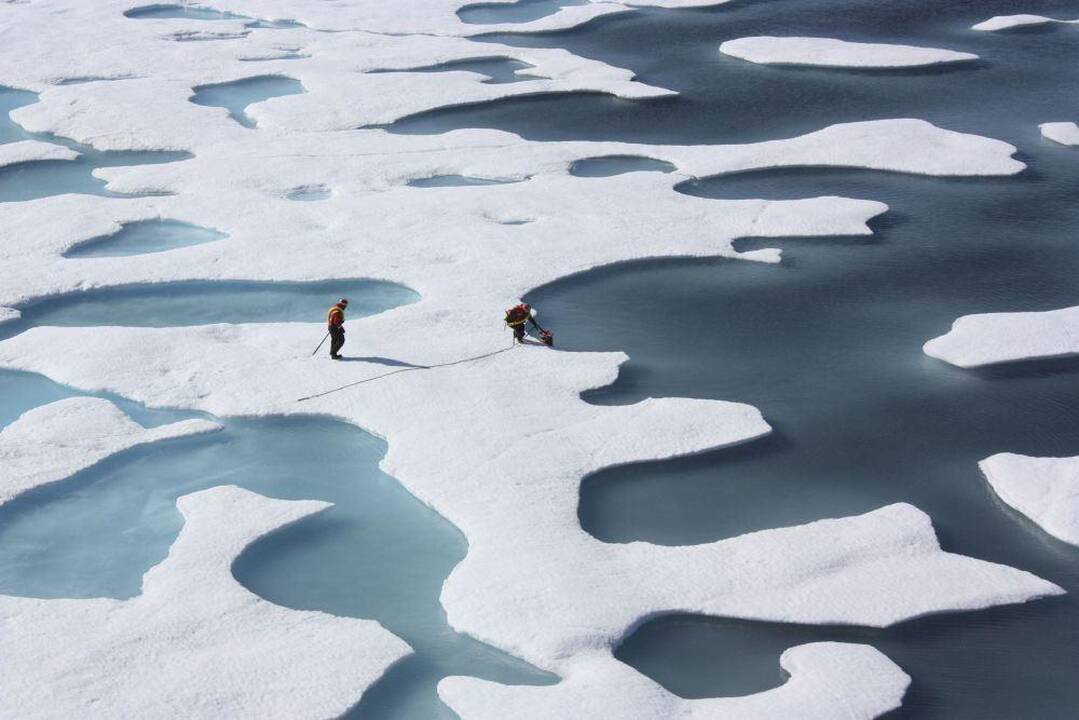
[519, 332]
[337, 339]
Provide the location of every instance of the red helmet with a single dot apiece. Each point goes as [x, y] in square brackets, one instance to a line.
[343, 301]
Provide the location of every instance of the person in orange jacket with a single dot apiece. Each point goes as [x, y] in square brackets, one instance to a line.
[520, 315]
[335, 321]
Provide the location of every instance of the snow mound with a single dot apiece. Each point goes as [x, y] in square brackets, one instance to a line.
[1008, 22]
[1046, 490]
[195, 643]
[53, 442]
[988, 338]
[1065, 133]
[828, 681]
[829, 52]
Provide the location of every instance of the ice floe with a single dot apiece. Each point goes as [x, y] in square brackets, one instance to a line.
[25, 151]
[1065, 133]
[195, 643]
[50, 443]
[988, 338]
[830, 52]
[1008, 22]
[1044, 489]
[828, 681]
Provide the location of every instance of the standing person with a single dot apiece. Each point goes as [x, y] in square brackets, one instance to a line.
[335, 320]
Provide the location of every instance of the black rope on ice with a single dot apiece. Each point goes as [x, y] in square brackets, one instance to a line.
[407, 369]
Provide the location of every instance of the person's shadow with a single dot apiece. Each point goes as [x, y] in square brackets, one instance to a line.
[381, 361]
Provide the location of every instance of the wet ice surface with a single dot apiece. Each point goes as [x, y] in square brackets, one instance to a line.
[237, 96]
[148, 236]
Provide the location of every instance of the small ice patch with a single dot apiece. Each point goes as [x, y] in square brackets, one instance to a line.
[143, 237]
[1046, 490]
[829, 52]
[990, 338]
[1065, 133]
[1012, 22]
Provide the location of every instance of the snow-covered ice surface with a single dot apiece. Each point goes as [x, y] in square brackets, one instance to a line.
[1010, 22]
[31, 150]
[1046, 490]
[1065, 133]
[989, 338]
[195, 643]
[51, 443]
[830, 52]
[827, 681]
[461, 437]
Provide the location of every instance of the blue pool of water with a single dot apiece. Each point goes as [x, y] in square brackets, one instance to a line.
[498, 70]
[378, 553]
[33, 180]
[202, 303]
[455, 181]
[194, 12]
[521, 11]
[617, 165]
[236, 96]
[11, 99]
[149, 236]
[309, 193]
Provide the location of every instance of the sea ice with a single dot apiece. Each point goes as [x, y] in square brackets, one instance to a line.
[1065, 133]
[829, 52]
[25, 151]
[462, 437]
[1046, 490]
[1008, 22]
[50, 443]
[989, 338]
[828, 681]
[195, 643]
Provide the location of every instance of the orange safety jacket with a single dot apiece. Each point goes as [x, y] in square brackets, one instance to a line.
[336, 316]
[517, 315]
